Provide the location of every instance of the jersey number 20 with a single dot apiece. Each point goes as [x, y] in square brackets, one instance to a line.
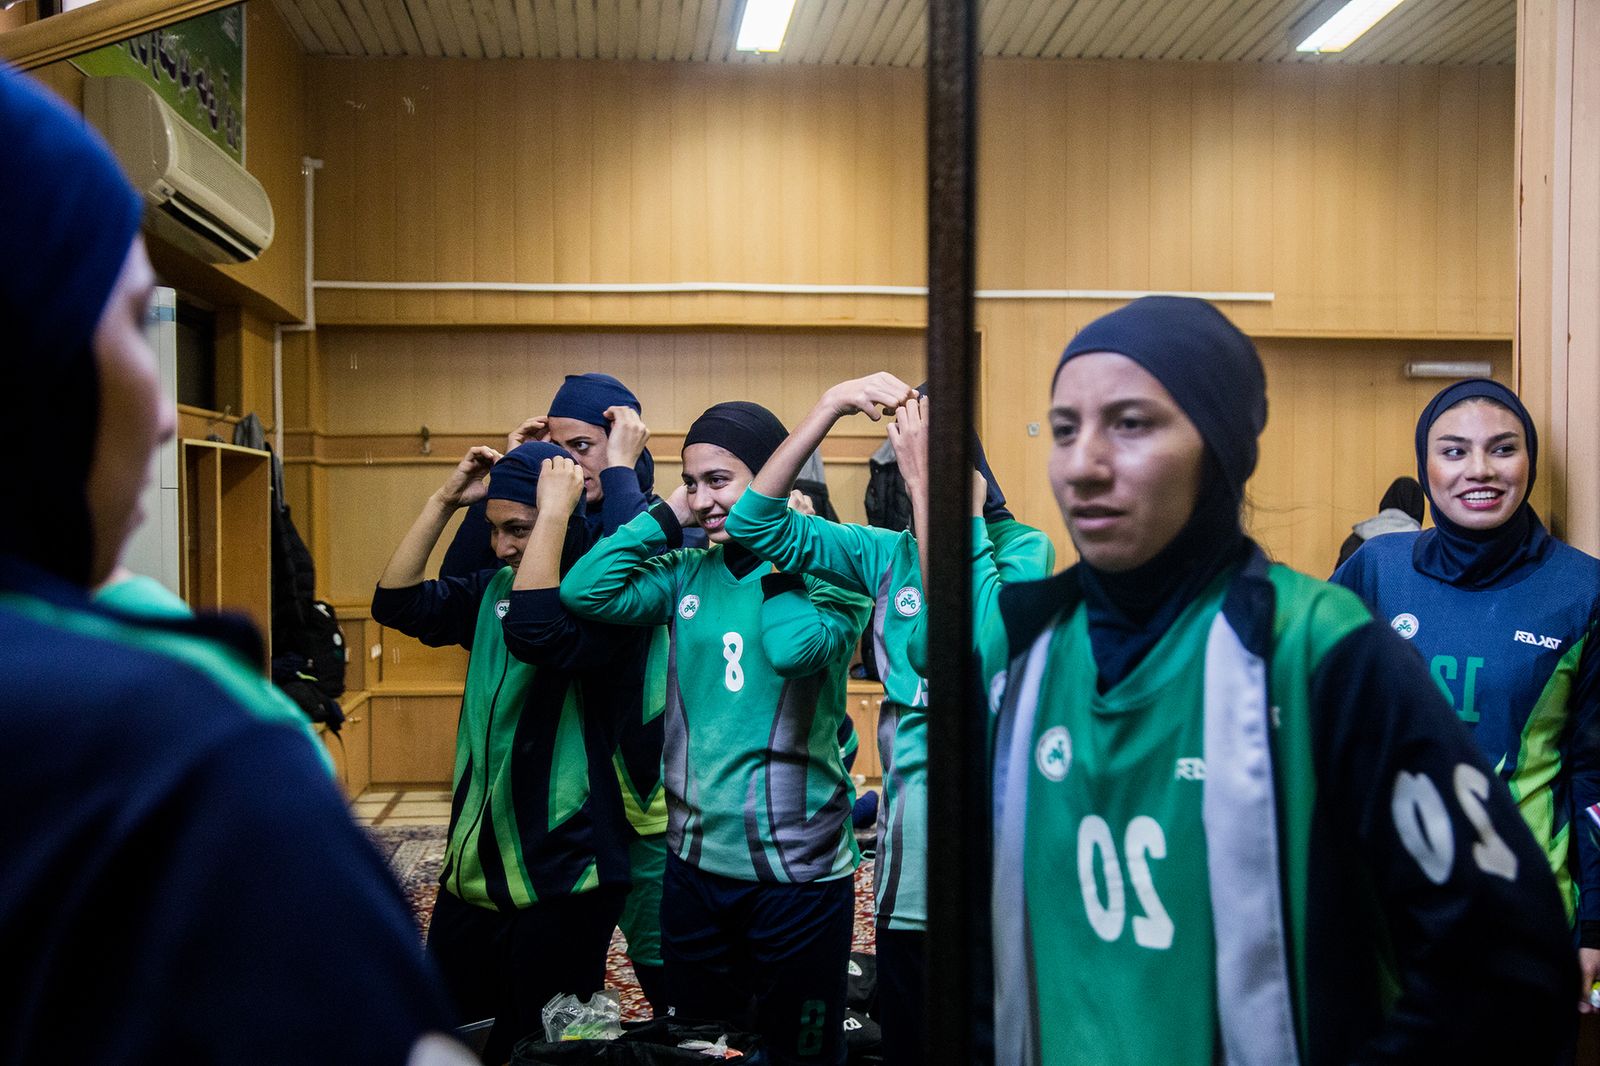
[1143, 841]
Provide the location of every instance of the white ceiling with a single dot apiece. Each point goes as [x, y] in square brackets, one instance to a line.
[890, 32]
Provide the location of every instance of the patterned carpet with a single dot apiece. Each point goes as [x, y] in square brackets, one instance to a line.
[416, 854]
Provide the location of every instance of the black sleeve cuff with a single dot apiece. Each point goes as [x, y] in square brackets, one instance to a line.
[668, 522]
[387, 604]
[1589, 934]
[535, 604]
[777, 584]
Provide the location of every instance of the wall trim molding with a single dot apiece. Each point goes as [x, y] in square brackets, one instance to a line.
[772, 289]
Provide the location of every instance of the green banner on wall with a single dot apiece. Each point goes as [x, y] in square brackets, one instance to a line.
[197, 66]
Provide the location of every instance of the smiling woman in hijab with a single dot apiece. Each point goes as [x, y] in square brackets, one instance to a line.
[1504, 616]
[178, 874]
[1232, 812]
[758, 899]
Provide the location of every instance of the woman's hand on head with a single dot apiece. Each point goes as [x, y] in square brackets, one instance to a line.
[874, 396]
[535, 428]
[627, 437]
[465, 486]
[801, 502]
[679, 502]
[908, 434]
[560, 486]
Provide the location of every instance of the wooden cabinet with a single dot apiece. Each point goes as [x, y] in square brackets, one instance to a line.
[861, 703]
[350, 747]
[225, 504]
[414, 738]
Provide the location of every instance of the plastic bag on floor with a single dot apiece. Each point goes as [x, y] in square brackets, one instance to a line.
[565, 1018]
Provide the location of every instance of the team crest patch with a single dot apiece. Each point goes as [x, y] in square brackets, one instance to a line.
[501, 608]
[1405, 624]
[908, 601]
[688, 607]
[1054, 753]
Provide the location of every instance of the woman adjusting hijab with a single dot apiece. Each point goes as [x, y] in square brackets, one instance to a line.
[1233, 767]
[1503, 614]
[757, 902]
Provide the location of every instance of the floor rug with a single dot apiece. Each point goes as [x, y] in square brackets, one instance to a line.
[416, 855]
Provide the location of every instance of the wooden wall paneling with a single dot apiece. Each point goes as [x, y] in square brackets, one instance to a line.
[1250, 222]
[800, 132]
[333, 132]
[755, 161]
[455, 140]
[1413, 241]
[761, 207]
[413, 739]
[494, 208]
[1333, 228]
[907, 197]
[1171, 178]
[415, 203]
[1542, 112]
[373, 205]
[1458, 199]
[1128, 186]
[1082, 199]
[718, 223]
[1583, 287]
[408, 662]
[1003, 138]
[876, 145]
[370, 508]
[1211, 146]
[1294, 201]
[573, 101]
[1377, 146]
[533, 175]
[838, 179]
[663, 205]
[1495, 255]
[679, 171]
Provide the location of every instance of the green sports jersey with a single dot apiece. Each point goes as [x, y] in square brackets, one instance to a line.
[638, 757]
[884, 565]
[1119, 903]
[139, 596]
[756, 676]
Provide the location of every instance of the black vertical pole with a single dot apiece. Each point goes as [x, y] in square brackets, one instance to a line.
[958, 805]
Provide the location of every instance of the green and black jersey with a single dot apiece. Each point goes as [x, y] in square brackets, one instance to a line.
[1270, 842]
[536, 811]
[755, 681]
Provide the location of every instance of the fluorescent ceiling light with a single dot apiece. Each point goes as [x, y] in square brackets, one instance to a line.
[1336, 32]
[763, 25]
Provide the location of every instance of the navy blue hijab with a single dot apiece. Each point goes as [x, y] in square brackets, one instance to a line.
[1486, 559]
[994, 500]
[70, 219]
[1213, 373]
[586, 397]
[516, 478]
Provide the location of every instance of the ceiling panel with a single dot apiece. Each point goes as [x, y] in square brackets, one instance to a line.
[891, 32]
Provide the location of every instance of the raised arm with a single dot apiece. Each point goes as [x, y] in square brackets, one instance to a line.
[807, 625]
[624, 500]
[852, 557]
[871, 395]
[623, 579]
[464, 487]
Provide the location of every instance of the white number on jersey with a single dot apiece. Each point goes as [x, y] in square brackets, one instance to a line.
[732, 648]
[1423, 823]
[1097, 850]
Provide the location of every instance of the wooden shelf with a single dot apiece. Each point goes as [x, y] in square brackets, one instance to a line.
[225, 505]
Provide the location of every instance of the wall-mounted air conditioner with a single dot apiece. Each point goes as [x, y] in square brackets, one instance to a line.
[199, 199]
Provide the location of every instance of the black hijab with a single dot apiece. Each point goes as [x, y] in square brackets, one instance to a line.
[1476, 559]
[1214, 375]
[69, 221]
